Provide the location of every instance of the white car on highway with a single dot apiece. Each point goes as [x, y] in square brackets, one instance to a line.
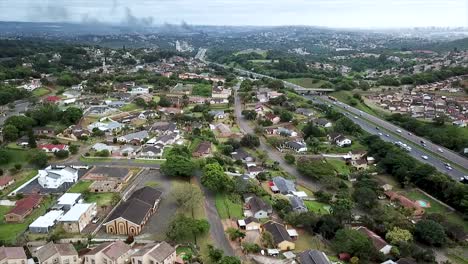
[425, 157]
[398, 130]
[440, 150]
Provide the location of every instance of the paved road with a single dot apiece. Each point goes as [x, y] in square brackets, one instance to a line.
[127, 163]
[389, 133]
[272, 152]
[216, 227]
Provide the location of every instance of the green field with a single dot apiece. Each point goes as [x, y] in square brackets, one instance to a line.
[80, 187]
[101, 199]
[309, 82]
[227, 208]
[347, 98]
[317, 207]
[340, 166]
[248, 51]
[202, 90]
[40, 92]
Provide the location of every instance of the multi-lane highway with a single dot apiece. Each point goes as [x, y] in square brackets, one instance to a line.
[390, 133]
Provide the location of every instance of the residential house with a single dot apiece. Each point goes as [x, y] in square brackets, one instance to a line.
[52, 99]
[313, 257]
[254, 171]
[107, 179]
[242, 155]
[257, 208]
[147, 114]
[304, 112]
[322, 122]
[43, 132]
[170, 111]
[117, 252]
[221, 92]
[23, 208]
[164, 128]
[378, 242]
[249, 223]
[273, 118]
[109, 127]
[405, 202]
[51, 148]
[57, 254]
[182, 89]
[43, 224]
[78, 217]
[223, 129]
[217, 114]
[339, 140]
[360, 164]
[101, 147]
[297, 146]
[12, 255]
[129, 150]
[150, 152]
[53, 177]
[130, 216]
[134, 138]
[161, 253]
[281, 237]
[139, 90]
[203, 150]
[6, 181]
[283, 186]
[297, 204]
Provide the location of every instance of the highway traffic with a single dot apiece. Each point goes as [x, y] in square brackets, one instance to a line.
[391, 133]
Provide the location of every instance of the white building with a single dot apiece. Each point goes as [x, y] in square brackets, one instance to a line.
[43, 223]
[78, 217]
[139, 90]
[53, 177]
[67, 200]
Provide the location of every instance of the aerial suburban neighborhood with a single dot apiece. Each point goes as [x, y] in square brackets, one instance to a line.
[138, 143]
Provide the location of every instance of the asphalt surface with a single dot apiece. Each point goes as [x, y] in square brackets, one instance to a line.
[127, 163]
[388, 132]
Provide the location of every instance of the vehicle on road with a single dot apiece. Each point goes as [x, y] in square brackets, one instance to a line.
[449, 168]
[377, 128]
[422, 142]
[355, 117]
[398, 130]
[440, 150]
[425, 157]
[380, 134]
[387, 135]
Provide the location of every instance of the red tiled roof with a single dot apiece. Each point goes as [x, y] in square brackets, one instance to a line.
[25, 205]
[377, 241]
[53, 99]
[405, 202]
[5, 180]
[52, 146]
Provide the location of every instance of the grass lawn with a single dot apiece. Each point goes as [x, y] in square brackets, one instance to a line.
[3, 211]
[307, 241]
[227, 208]
[305, 189]
[436, 207]
[317, 207]
[340, 166]
[347, 98]
[80, 187]
[308, 82]
[152, 184]
[20, 178]
[100, 198]
[356, 145]
[129, 107]
[40, 92]
[16, 156]
[10, 232]
[156, 99]
[202, 90]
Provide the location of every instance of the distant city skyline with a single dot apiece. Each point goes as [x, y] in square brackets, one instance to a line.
[327, 13]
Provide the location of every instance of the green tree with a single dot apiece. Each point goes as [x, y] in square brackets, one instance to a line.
[31, 139]
[4, 156]
[235, 233]
[74, 149]
[341, 208]
[230, 260]
[10, 133]
[249, 114]
[178, 166]
[215, 254]
[365, 197]
[289, 158]
[397, 235]
[353, 242]
[182, 228]
[267, 239]
[39, 159]
[61, 154]
[250, 247]
[430, 233]
[250, 141]
[72, 115]
[187, 196]
[215, 179]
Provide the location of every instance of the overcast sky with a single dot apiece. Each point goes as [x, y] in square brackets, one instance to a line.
[329, 13]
